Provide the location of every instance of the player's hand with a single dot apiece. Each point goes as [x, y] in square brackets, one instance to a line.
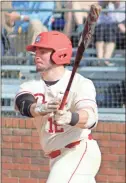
[48, 107]
[62, 117]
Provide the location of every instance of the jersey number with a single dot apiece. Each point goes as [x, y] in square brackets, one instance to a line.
[52, 127]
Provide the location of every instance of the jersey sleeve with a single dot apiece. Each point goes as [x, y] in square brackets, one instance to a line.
[85, 98]
[23, 88]
[85, 95]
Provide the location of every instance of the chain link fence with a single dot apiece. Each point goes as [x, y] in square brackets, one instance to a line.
[109, 81]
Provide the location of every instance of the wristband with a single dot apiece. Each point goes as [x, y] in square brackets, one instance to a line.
[74, 119]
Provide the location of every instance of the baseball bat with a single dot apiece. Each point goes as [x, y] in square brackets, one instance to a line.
[82, 45]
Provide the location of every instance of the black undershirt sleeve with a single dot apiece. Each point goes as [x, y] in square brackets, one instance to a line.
[23, 103]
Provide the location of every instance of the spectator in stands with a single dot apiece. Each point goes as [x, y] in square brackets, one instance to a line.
[5, 29]
[5, 44]
[121, 24]
[79, 17]
[28, 24]
[105, 33]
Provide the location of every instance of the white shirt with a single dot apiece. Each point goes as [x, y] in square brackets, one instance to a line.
[82, 94]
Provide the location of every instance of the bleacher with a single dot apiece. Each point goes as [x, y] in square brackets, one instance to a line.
[104, 78]
[109, 81]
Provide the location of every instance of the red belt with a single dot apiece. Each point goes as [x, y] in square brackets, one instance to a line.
[56, 153]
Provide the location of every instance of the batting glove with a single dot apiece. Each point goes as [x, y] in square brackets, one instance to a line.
[62, 117]
[48, 107]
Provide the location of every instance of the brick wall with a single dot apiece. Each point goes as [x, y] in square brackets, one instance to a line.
[23, 160]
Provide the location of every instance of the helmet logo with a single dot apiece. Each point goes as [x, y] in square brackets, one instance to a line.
[38, 39]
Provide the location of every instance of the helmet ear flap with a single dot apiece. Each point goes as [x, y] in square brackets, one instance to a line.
[61, 56]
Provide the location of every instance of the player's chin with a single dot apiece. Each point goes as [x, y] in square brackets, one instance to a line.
[40, 69]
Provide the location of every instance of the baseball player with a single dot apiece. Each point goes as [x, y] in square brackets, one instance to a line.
[74, 155]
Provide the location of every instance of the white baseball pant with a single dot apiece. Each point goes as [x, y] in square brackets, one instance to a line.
[76, 165]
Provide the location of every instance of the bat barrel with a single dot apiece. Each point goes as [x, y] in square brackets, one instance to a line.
[83, 44]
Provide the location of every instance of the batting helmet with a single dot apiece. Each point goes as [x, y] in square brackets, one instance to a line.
[57, 41]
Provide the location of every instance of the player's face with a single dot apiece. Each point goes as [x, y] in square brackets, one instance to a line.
[42, 59]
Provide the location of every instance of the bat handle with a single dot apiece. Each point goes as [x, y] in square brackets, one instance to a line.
[64, 100]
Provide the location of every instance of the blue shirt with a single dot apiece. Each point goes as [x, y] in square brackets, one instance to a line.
[43, 16]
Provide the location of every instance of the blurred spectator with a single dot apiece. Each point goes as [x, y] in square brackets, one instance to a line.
[121, 24]
[106, 31]
[28, 24]
[5, 45]
[79, 17]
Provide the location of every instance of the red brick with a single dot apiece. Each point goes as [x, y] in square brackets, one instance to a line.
[108, 171]
[117, 164]
[44, 168]
[104, 150]
[20, 173]
[118, 137]
[8, 124]
[121, 127]
[100, 127]
[7, 131]
[11, 138]
[29, 167]
[6, 159]
[9, 180]
[30, 139]
[22, 123]
[15, 122]
[6, 173]
[116, 150]
[21, 145]
[31, 153]
[36, 146]
[7, 145]
[38, 174]
[29, 180]
[42, 180]
[7, 152]
[34, 133]
[25, 157]
[21, 160]
[35, 140]
[116, 179]
[113, 127]
[106, 143]
[110, 157]
[101, 178]
[26, 139]
[7, 166]
[121, 144]
[122, 158]
[29, 124]
[121, 172]
[22, 132]
[106, 127]
[105, 164]
[3, 122]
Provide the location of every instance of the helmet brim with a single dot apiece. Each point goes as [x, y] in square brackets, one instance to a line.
[33, 47]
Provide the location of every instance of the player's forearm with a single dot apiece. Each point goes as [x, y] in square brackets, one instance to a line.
[83, 116]
[88, 117]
